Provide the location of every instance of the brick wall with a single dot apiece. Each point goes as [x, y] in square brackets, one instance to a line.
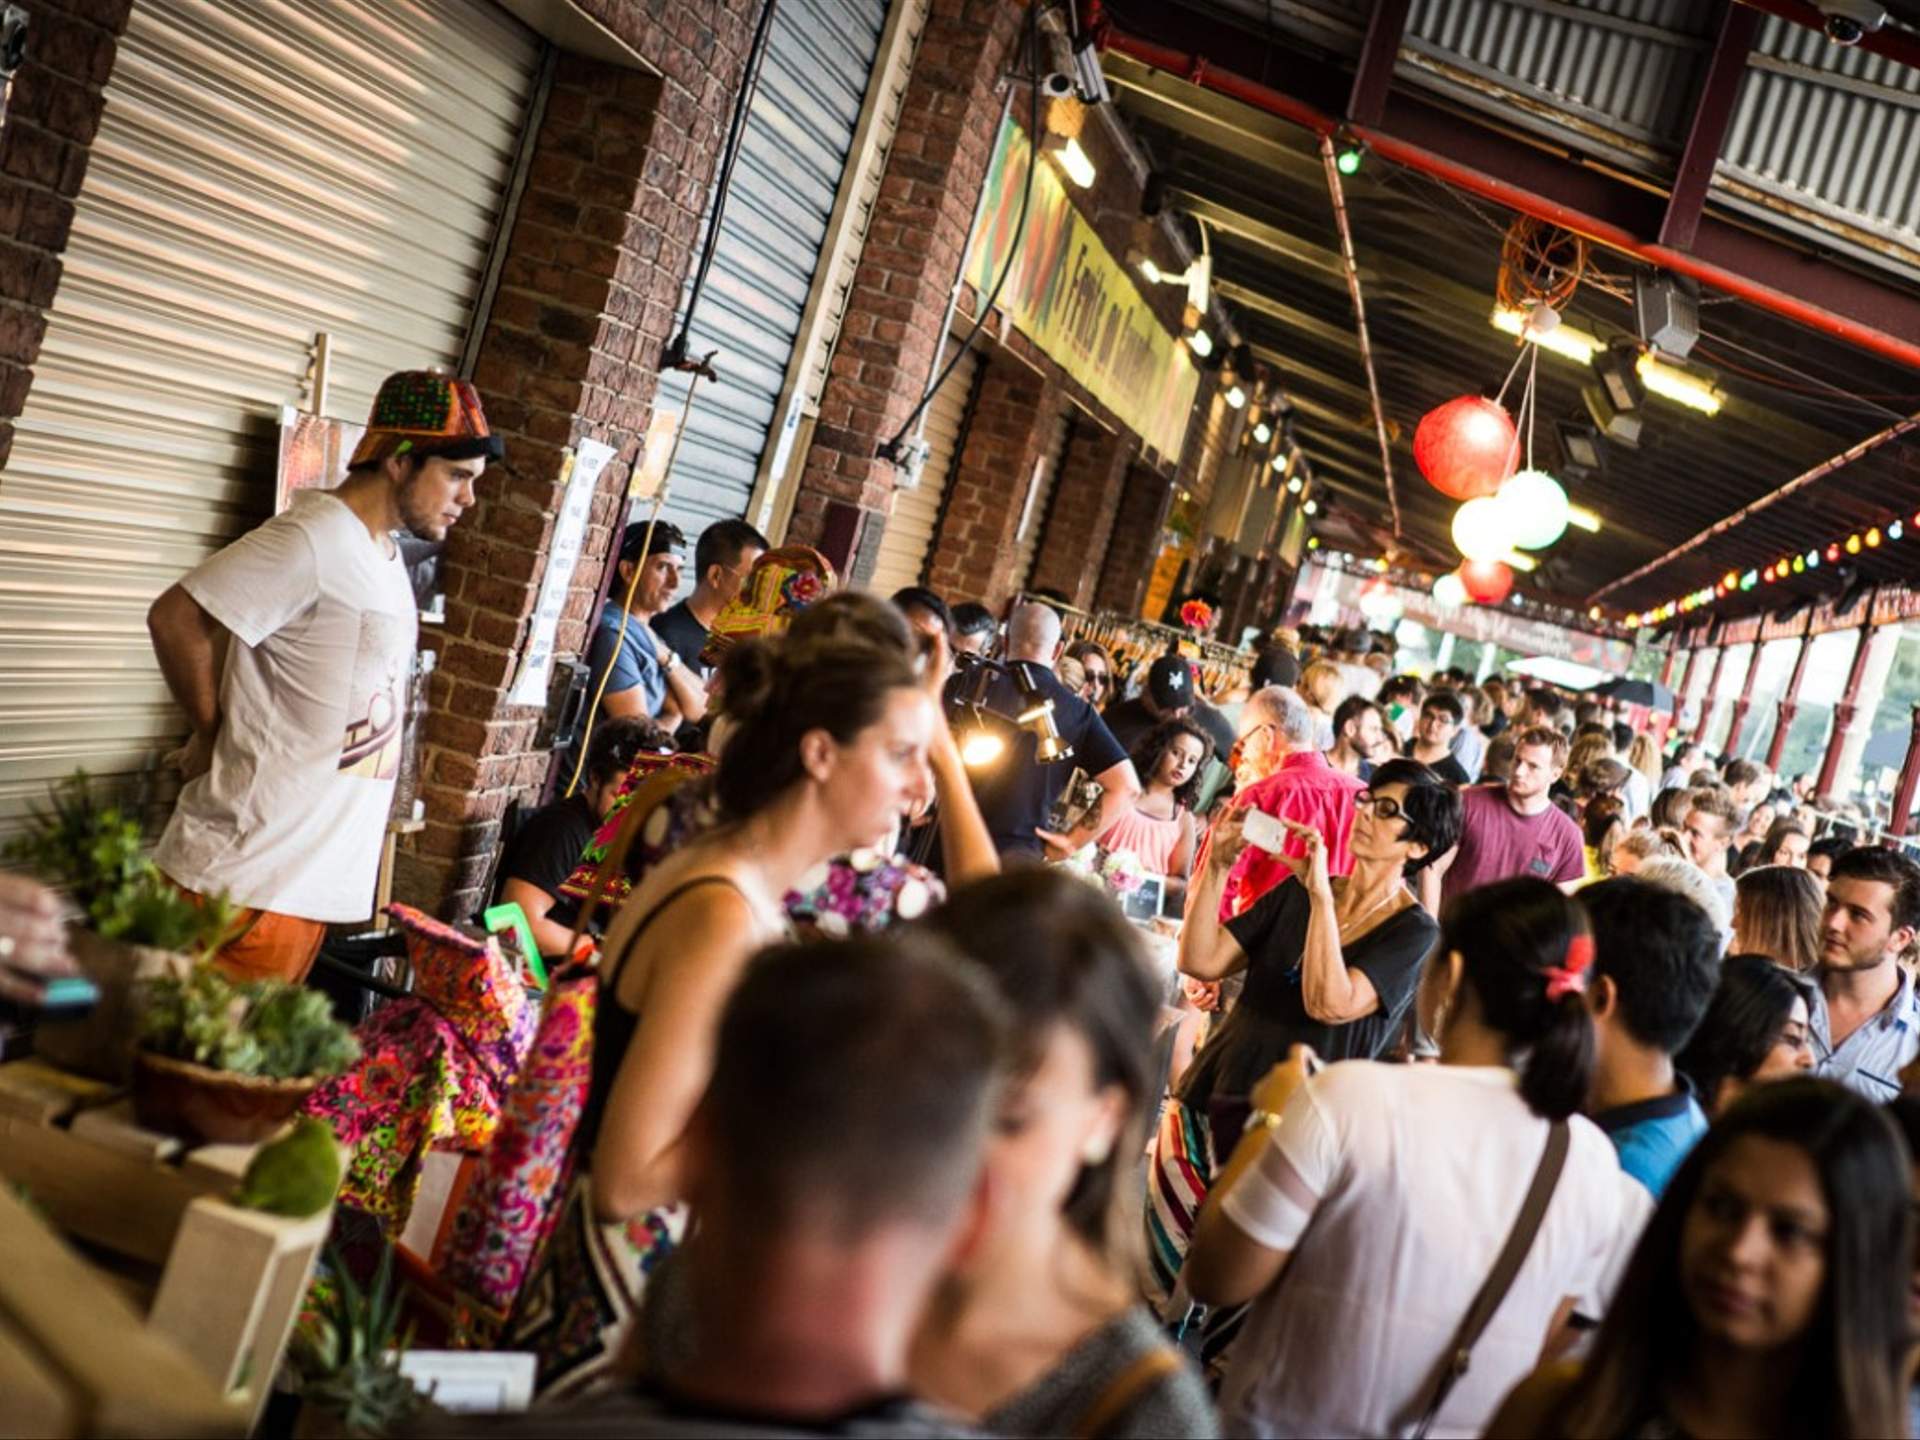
[1145, 497]
[948, 124]
[1080, 518]
[595, 264]
[45, 137]
[973, 546]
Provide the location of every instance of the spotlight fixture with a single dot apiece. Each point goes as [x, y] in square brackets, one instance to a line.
[1666, 311]
[1074, 162]
[1201, 343]
[1581, 444]
[1617, 369]
[1312, 507]
[1236, 397]
[1295, 486]
[1263, 432]
[1037, 716]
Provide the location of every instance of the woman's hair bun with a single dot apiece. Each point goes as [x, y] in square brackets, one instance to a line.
[749, 676]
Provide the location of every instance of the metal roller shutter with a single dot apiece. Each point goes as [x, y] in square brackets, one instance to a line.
[1033, 515]
[265, 169]
[908, 538]
[799, 133]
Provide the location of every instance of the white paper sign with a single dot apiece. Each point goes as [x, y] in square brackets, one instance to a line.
[590, 457]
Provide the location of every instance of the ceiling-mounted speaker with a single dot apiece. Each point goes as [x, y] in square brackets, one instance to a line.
[1666, 311]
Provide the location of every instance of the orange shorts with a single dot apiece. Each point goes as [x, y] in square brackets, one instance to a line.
[270, 946]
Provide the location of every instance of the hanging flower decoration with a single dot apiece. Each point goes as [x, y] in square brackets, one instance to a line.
[1467, 447]
[1196, 615]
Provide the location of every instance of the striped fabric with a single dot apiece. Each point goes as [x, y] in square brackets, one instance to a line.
[1180, 1169]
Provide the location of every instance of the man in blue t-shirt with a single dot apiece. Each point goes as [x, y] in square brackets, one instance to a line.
[1656, 961]
[643, 674]
[1017, 790]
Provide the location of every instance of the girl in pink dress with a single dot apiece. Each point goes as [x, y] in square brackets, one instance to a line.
[1159, 829]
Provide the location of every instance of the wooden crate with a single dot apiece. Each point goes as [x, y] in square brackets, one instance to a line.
[226, 1283]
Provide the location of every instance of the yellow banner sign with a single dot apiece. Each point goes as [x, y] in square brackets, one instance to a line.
[1076, 302]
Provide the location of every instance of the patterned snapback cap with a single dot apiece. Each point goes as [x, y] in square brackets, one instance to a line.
[420, 412]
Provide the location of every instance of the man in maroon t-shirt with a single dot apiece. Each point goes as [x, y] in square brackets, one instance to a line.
[1513, 829]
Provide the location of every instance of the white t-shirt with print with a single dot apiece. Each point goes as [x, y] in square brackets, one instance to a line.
[1394, 1187]
[292, 815]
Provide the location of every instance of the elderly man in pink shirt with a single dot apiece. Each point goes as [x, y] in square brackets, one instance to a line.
[1303, 788]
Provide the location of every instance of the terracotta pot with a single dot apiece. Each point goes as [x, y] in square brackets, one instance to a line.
[100, 1043]
[197, 1103]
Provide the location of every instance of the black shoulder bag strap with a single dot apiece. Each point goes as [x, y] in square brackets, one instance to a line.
[1500, 1279]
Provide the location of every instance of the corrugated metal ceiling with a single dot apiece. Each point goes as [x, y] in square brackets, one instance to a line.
[1429, 260]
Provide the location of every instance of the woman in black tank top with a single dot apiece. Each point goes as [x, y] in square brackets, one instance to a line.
[828, 749]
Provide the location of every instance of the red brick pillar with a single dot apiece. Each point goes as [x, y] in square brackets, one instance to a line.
[45, 138]
[911, 258]
[1080, 517]
[600, 250]
[1134, 541]
[973, 549]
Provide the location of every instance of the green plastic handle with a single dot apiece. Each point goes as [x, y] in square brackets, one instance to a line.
[509, 916]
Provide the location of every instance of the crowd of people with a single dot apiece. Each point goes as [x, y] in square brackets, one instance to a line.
[1511, 1072]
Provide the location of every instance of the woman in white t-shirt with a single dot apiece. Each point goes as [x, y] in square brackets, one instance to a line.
[1368, 1202]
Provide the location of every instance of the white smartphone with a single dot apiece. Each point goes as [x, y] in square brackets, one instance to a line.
[1265, 831]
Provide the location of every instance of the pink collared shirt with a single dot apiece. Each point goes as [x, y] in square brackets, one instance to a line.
[1308, 791]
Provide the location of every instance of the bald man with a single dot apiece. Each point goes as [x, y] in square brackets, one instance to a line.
[1016, 791]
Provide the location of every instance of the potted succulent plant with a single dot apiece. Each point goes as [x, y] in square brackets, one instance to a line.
[133, 924]
[221, 1060]
[346, 1355]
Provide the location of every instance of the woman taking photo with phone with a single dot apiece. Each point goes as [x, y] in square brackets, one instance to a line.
[1382, 1219]
[1331, 964]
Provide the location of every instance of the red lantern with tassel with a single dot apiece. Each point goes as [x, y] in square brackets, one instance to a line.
[1488, 582]
[1466, 448]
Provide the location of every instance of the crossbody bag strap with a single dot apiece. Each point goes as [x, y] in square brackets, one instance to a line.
[1146, 1371]
[1546, 1177]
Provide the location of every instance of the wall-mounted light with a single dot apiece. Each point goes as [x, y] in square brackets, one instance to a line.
[1201, 342]
[1262, 433]
[1074, 162]
[1294, 486]
[1312, 507]
[1236, 397]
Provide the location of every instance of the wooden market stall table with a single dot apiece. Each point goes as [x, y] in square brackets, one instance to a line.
[211, 1290]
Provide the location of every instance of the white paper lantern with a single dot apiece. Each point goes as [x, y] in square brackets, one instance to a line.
[1537, 509]
[1483, 528]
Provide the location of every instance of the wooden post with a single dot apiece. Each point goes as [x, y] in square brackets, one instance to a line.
[1673, 658]
[1843, 715]
[1789, 705]
[1909, 781]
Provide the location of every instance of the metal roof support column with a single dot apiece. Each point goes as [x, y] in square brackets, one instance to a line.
[1843, 714]
[1909, 781]
[1789, 705]
[1338, 195]
[1706, 699]
[1712, 114]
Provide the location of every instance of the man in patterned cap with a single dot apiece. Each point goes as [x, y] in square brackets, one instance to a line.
[291, 651]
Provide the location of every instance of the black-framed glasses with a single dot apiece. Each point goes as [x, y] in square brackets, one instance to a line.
[1384, 807]
[1099, 679]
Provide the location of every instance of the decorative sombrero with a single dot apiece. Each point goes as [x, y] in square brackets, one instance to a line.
[783, 582]
[421, 412]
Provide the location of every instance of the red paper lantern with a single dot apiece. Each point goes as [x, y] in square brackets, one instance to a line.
[1488, 582]
[1466, 447]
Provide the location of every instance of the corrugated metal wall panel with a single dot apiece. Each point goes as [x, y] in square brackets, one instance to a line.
[908, 538]
[1033, 514]
[799, 133]
[1831, 128]
[264, 169]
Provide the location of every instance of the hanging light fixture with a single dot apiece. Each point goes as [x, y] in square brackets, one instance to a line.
[1450, 590]
[1483, 529]
[1537, 507]
[1488, 582]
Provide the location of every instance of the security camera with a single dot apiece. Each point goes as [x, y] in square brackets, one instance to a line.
[1848, 22]
[1057, 86]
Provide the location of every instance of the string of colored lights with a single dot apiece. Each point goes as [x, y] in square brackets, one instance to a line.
[1834, 552]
